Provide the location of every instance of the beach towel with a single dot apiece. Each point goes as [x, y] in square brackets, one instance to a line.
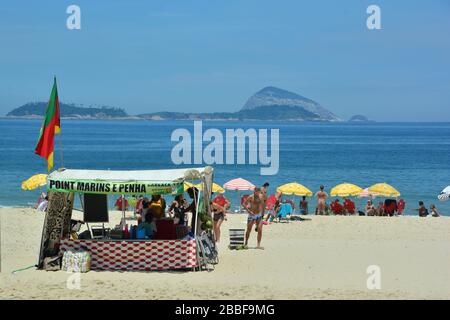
[285, 210]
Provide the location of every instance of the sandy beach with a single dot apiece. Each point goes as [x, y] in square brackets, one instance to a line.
[322, 258]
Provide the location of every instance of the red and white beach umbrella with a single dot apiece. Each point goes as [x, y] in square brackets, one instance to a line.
[445, 194]
[367, 194]
[239, 184]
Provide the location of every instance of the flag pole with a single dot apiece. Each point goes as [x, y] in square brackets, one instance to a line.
[60, 150]
[60, 139]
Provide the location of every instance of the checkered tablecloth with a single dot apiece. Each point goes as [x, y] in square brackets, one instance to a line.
[137, 255]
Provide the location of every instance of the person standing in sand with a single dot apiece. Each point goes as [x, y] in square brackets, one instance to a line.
[255, 206]
[321, 196]
[264, 190]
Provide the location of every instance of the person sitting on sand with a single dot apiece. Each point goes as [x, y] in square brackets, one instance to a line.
[255, 206]
[423, 211]
[336, 207]
[273, 210]
[434, 211]
[303, 206]
[380, 209]
[370, 209]
[321, 196]
[349, 206]
[43, 204]
[401, 207]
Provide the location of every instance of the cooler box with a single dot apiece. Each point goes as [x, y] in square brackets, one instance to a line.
[236, 238]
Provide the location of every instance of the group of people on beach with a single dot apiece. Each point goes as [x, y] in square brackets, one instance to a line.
[183, 212]
[258, 202]
[389, 207]
[151, 209]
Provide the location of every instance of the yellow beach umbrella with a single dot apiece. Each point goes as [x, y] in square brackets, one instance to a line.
[38, 180]
[215, 188]
[346, 190]
[384, 190]
[294, 188]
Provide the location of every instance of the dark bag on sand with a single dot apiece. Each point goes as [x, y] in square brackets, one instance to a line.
[52, 263]
[86, 235]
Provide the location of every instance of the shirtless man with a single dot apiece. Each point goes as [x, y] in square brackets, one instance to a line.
[255, 206]
[321, 196]
[264, 189]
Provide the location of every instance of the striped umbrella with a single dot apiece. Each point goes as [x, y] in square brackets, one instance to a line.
[239, 184]
[366, 194]
[445, 194]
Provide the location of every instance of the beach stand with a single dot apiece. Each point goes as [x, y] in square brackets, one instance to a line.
[237, 185]
[123, 254]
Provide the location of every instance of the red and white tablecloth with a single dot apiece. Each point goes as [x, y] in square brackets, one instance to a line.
[138, 254]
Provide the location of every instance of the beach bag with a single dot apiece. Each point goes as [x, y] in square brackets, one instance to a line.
[140, 232]
[85, 235]
[76, 261]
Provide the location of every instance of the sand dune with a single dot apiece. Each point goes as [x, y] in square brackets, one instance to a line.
[324, 258]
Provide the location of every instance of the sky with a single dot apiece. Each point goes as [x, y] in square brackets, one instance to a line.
[201, 56]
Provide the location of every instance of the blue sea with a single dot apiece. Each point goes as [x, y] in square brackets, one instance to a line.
[413, 157]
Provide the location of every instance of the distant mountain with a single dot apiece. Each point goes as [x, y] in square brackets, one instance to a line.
[268, 104]
[37, 110]
[359, 118]
[276, 98]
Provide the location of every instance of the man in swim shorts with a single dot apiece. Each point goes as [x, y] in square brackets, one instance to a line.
[255, 205]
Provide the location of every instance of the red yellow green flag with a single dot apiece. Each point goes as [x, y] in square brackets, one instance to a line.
[50, 127]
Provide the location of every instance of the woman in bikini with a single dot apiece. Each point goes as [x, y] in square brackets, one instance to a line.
[219, 216]
[321, 196]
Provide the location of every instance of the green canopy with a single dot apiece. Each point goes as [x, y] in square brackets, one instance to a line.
[123, 182]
